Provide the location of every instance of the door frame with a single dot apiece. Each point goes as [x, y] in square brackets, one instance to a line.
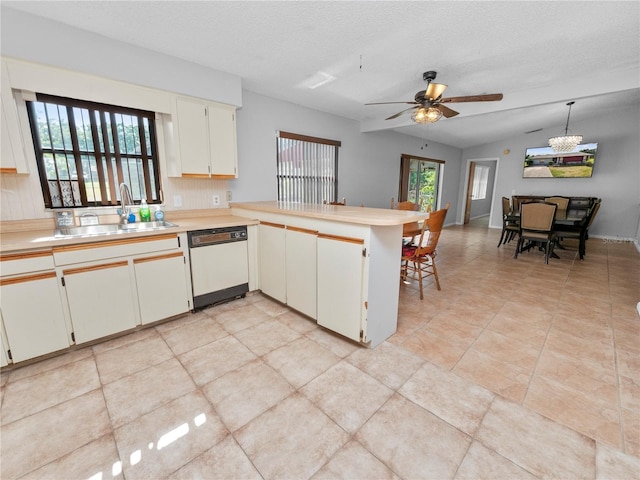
[468, 186]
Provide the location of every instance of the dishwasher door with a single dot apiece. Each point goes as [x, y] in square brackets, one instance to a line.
[219, 272]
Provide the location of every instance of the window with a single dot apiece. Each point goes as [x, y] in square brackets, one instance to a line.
[84, 151]
[480, 180]
[419, 181]
[307, 168]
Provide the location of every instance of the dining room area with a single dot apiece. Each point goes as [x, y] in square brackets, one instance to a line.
[546, 221]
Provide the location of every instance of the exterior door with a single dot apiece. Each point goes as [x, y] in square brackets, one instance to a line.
[419, 181]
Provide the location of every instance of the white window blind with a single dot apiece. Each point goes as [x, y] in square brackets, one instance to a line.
[307, 168]
[480, 180]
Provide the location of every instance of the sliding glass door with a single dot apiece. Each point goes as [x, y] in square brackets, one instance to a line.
[419, 181]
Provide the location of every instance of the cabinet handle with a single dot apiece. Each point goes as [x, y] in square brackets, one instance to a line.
[28, 278]
[269, 224]
[158, 257]
[302, 230]
[340, 238]
[72, 271]
[25, 255]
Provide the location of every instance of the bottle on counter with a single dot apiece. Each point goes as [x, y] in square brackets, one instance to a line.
[158, 214]
[145, 213]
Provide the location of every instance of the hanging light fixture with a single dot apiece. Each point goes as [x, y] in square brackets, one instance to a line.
[565, 143]
[426, 115]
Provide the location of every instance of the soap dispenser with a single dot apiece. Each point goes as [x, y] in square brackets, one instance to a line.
[158, 214]
[145, 213]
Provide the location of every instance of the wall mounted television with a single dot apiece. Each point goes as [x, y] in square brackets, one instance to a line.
[543, 162]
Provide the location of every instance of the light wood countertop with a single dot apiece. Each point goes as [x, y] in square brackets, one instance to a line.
[17, 236]
[336, 213]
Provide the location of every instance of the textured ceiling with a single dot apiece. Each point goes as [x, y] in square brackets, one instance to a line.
[539, 54]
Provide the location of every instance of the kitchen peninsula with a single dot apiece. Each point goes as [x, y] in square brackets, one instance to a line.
[337, 264]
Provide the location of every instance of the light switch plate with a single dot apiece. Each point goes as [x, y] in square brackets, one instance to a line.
[177, 200]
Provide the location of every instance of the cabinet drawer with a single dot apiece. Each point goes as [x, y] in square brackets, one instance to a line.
[89, 252]
[26, 262]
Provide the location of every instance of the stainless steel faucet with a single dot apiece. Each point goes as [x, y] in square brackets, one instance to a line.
[126, 201]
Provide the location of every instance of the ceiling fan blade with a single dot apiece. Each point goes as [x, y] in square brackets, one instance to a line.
[446, 111]
[400, 113]
[389, 103]
[492, 97]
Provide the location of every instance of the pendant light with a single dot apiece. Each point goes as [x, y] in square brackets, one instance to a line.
[565, 143]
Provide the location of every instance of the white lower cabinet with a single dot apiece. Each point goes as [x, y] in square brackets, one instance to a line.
[33, 316]
[162, 286]
[114, 286]
[101, 300]
[301, 267]
[340, 284]
[271, 252]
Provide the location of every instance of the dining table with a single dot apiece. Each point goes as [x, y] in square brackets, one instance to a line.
[572, 217]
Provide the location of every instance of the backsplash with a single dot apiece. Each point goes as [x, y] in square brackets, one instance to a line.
[21, 196]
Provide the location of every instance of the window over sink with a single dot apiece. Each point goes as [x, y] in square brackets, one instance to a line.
[84, 150]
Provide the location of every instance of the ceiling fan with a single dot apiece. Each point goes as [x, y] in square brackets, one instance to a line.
[428, 104]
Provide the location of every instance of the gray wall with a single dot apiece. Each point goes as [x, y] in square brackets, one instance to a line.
[369, 163]
[616, 175]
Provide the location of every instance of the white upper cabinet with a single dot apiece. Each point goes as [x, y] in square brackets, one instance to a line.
[206, 134]
[14, 159]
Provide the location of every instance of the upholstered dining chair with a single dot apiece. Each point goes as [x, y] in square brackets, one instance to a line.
[561, 202]
[509, 228]
[536, 226]
[420, 259]
[580, 232]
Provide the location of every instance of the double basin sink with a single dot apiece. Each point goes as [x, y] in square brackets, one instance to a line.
[110, 229]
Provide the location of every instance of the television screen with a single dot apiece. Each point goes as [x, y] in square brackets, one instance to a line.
[543, 162]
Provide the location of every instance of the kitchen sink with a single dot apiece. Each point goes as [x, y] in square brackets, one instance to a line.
[110, 229]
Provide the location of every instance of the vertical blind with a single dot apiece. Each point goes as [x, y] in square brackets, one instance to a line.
[307, 168]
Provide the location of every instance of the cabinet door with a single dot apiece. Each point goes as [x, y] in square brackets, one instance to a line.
[223, 143]
[162, 286]
[272, 260]
[33, 315]
[193, 137]
[100, 300]
[301, 270]
[13, 159]
[340, 280]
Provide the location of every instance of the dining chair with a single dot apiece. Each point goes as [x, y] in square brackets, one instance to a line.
[536, 226]
[561, 202]
[407, 205]
[421, 257]
[510, 228]
[581, 231]
[343, 202]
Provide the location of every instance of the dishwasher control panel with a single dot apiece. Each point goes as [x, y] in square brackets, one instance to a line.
[213, 236]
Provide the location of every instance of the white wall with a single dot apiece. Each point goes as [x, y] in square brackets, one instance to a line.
[616, 175]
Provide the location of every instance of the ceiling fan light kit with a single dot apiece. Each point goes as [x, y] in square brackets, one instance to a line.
[427, 103]
[426, 115]
[565, 143]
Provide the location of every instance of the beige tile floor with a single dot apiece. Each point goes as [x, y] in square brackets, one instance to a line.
[515, 369]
